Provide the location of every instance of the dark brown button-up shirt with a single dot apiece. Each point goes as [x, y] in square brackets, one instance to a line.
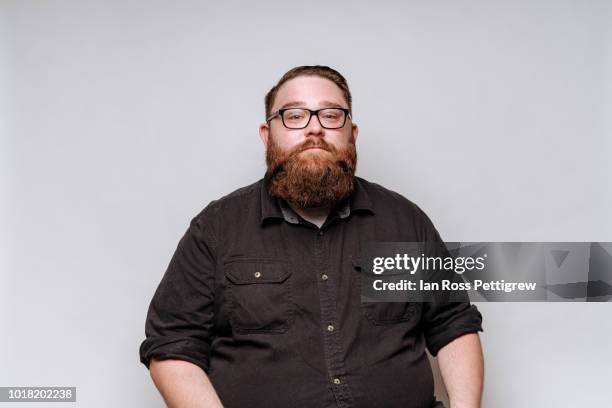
[269, 305]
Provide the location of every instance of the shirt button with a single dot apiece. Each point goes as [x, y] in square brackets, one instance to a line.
[320, 232]
[324, 277]
[257, 274]
[336, 381]
[330, 328]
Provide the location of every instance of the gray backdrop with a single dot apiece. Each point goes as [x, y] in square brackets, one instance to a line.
[119, 121]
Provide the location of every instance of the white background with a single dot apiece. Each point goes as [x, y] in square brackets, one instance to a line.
[119, 121]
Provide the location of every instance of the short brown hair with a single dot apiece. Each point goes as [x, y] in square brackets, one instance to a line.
[310, 70]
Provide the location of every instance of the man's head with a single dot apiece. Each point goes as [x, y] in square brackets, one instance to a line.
[311, 158]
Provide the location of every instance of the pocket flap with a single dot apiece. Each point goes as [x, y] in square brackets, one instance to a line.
[246, 272]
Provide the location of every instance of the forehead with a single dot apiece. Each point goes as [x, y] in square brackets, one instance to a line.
[313, 91]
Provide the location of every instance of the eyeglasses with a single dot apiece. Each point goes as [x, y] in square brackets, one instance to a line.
[299, 118]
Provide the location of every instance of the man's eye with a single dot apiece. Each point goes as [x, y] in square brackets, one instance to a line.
[295, 116]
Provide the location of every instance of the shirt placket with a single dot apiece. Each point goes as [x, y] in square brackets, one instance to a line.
[331, 327]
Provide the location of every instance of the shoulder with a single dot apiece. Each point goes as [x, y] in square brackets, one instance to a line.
[237, 200]
[231, 206]
[384, 199]
[391, 207]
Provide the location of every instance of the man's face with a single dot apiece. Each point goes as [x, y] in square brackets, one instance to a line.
[313, 166]
[310, 92]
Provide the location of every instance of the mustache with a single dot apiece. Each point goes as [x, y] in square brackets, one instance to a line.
[310, 143]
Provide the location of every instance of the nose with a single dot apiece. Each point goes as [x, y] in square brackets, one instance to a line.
[314, 127]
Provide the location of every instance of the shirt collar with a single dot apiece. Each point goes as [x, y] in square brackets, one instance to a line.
[272, 207]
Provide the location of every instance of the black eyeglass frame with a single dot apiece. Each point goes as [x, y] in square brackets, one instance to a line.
[280, 113]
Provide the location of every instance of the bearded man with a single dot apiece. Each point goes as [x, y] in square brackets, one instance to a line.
[260, 305]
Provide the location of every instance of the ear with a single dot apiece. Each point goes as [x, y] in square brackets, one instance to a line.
[355, 131]
[264, 133]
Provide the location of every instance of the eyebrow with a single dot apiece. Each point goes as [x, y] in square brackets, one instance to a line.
[325, 104]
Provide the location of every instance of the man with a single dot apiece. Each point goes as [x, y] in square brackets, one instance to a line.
[260, 305]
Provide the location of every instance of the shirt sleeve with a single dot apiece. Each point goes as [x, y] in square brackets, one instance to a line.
[179, 322]
[444, 320]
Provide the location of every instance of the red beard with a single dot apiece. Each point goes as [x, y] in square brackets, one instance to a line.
[311, 179]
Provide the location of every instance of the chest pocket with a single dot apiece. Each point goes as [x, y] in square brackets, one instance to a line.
[384, 313]
[259, 292]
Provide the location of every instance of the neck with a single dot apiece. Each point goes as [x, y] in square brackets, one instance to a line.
[316, 215]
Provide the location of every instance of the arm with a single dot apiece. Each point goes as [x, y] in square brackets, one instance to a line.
[180, 323]
[450, 326]
[183, 384]
[462, 367]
